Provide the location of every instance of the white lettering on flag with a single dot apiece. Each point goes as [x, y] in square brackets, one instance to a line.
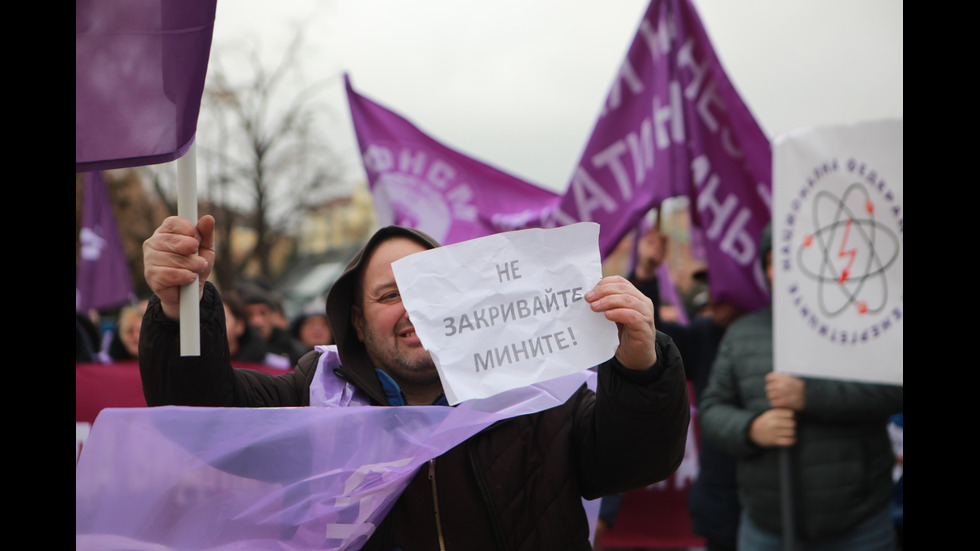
[355, 495]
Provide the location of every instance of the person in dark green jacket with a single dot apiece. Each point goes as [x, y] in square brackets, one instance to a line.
[834, 433]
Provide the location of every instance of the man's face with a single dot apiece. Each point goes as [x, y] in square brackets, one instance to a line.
[382, 323]
[131, 335]
[314, 331]
[260, 317]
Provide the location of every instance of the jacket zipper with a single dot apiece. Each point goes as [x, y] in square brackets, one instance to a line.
[484, 492]
[435, 504]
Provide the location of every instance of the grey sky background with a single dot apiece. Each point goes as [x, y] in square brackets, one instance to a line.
[518, 84]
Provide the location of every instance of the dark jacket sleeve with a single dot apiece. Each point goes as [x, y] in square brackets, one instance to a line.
[832, 400]
[635, 430]
[209, 379]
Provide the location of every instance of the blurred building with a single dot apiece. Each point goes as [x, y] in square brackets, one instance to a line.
[325, 240]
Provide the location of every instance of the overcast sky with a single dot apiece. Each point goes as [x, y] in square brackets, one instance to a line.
[518, 83]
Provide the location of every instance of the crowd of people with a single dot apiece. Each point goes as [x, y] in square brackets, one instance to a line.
[758, 428]
[112, 342]
[258, 331]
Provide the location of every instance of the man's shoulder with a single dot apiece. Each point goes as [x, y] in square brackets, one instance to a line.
[757, 320]
[308, 363]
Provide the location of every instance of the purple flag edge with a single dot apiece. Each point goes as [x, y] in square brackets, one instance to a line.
[97, 211]
[111, 164]
[200, 15]
[756, 151]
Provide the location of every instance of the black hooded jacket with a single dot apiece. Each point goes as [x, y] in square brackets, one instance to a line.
[518, 485]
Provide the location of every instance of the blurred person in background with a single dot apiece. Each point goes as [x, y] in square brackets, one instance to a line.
[311, 329]
[713, 499]
[244, 342]
[123, 342]
[261, 313]
[828, 437]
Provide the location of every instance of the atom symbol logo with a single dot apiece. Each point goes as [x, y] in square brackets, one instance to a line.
[848, 253]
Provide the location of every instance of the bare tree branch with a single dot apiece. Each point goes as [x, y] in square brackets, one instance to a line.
[266, 155]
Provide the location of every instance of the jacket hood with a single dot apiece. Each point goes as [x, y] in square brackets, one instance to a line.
[353, 356]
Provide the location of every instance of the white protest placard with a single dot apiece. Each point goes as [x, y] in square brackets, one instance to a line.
[838, 289]
[508, 310]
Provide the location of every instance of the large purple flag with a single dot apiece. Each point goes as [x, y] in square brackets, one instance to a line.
[418, 182]
[103, 279]
[139, 77]
[672, 125]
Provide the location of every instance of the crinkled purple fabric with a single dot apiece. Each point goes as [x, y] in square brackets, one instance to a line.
[268, 478]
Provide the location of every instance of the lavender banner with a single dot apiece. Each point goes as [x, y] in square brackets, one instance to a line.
[268, 478]
[139, 77]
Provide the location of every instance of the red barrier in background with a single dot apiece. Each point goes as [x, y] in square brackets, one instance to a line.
[116, 385]
[651, 518]
[657, 517]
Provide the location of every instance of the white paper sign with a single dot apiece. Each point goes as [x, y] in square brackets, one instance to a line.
[838, 288]
[508, 310]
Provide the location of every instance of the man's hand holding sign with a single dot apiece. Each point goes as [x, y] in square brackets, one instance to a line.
[517, 308]
[632, 311]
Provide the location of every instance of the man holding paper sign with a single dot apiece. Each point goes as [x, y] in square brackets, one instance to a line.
[508, 310]
[517, 484]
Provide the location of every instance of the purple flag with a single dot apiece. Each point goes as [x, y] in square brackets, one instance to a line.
[418, 182]
[139, 77]
[103, 279]
[673, 125]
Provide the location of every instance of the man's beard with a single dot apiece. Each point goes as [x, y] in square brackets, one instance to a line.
[408, 367]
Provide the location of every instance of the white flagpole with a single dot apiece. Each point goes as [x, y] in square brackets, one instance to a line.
[190, 333]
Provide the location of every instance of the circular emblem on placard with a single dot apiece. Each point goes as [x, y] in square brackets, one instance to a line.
[842, 244]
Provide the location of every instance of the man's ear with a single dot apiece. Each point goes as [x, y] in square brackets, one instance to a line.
[357, 320]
